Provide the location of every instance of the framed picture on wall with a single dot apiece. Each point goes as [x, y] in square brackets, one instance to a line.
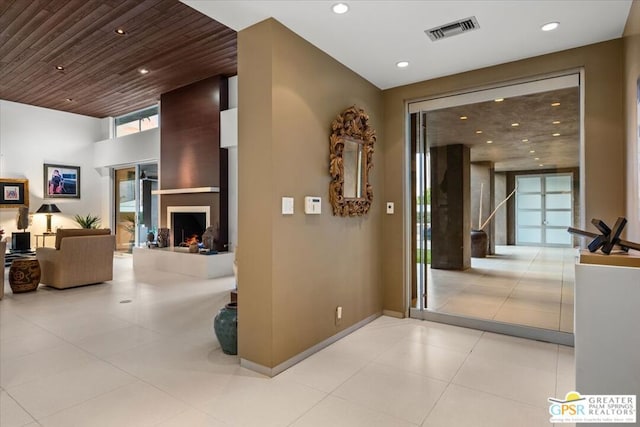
[14, 193]
[61, 181]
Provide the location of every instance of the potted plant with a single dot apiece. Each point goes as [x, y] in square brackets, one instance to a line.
[87, 221]
[130, 227]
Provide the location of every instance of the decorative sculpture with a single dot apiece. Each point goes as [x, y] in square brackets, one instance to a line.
[608, 237]
[210, 237]
[164, 240]
[23, 218]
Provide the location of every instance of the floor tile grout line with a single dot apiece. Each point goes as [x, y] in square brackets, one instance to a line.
[498, 396]
[309, 409]
[450, 382]
[98, 358]
[384, 327]
[20, 405]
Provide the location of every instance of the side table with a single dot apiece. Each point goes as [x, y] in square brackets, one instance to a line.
[44, 238]
[24, 275]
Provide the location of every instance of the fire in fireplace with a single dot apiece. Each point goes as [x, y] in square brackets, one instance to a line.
[188, 227]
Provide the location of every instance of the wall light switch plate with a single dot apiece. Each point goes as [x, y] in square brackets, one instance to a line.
[287, 206]
[390, 207]
[312, 205]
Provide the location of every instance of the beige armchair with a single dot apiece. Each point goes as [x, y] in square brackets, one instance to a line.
[80, 257]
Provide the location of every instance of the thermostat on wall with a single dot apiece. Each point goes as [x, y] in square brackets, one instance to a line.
[312, 205]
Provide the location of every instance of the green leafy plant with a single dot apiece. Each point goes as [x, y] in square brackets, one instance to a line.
[130, 223]
[87, 221]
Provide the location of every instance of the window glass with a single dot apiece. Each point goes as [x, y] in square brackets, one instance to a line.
[137, 121]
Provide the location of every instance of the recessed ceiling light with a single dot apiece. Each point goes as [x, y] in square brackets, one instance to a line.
[402, 64]
[463, 117]
[537, 158]
[499, 99]
[69, 99]
[556, 122]
[556, 134]
[120, 31]
[489, 142]
[525, 140]
[555, 104]
[540, 165]
[478, 131]
[550, 26]
[143, 71]
[59, 68]
[340, 8]
[515, 125]
[532, 151]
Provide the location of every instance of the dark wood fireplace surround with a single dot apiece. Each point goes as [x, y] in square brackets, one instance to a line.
[190, 153]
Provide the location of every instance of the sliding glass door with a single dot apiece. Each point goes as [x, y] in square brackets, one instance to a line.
[135, 205]
[505, 160]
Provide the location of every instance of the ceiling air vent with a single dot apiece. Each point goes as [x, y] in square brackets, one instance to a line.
[453, 28]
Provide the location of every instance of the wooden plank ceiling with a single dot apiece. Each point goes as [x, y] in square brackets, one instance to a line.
[101, 77]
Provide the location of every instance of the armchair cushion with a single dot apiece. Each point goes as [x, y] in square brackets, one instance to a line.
[61, 233]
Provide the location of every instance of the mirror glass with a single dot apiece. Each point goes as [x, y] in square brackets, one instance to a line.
[353, 166]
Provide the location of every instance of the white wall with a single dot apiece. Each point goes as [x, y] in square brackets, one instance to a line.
[31, 136]
[142, 147]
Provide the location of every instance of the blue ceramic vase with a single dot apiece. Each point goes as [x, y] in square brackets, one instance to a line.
[225, 325]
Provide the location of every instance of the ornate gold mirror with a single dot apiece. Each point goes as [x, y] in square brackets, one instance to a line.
[350, 160]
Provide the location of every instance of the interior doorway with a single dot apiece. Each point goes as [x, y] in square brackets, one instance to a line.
[468, 154]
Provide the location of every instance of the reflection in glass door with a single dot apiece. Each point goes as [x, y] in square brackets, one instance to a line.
[544, 209]
[525, 286]
[136, 207]
[125, 201]
[420, 212]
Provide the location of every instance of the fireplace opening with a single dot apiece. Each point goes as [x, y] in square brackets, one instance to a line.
[188, 227]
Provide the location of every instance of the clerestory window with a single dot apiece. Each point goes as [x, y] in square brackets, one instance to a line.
[137, 121]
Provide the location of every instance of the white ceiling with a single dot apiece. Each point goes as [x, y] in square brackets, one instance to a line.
[374, 35]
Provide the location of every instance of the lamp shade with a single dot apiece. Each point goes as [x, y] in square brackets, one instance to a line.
[48, 208]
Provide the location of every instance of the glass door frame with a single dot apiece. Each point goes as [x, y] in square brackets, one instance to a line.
[138, 238]
[503, 90]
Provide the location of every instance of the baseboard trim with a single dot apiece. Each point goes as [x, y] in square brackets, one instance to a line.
[546, 335]
[391, 313]
[272, 372]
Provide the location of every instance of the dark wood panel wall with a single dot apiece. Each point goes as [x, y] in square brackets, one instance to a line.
[190, 151]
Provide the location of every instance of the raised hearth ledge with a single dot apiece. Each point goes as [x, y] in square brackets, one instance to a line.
[187, 190]
[179, 260]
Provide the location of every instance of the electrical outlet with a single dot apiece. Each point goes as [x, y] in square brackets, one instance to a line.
[390, 208]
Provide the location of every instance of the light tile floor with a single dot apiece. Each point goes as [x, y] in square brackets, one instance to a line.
[80, 357]
[528, 286]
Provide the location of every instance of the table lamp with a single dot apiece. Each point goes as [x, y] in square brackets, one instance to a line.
[48, 209]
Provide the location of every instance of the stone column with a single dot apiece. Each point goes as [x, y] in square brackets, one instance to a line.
[450, 207]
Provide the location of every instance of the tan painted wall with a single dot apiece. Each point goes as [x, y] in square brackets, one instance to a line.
[295, 270]
[631, 76]
[604, 138]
